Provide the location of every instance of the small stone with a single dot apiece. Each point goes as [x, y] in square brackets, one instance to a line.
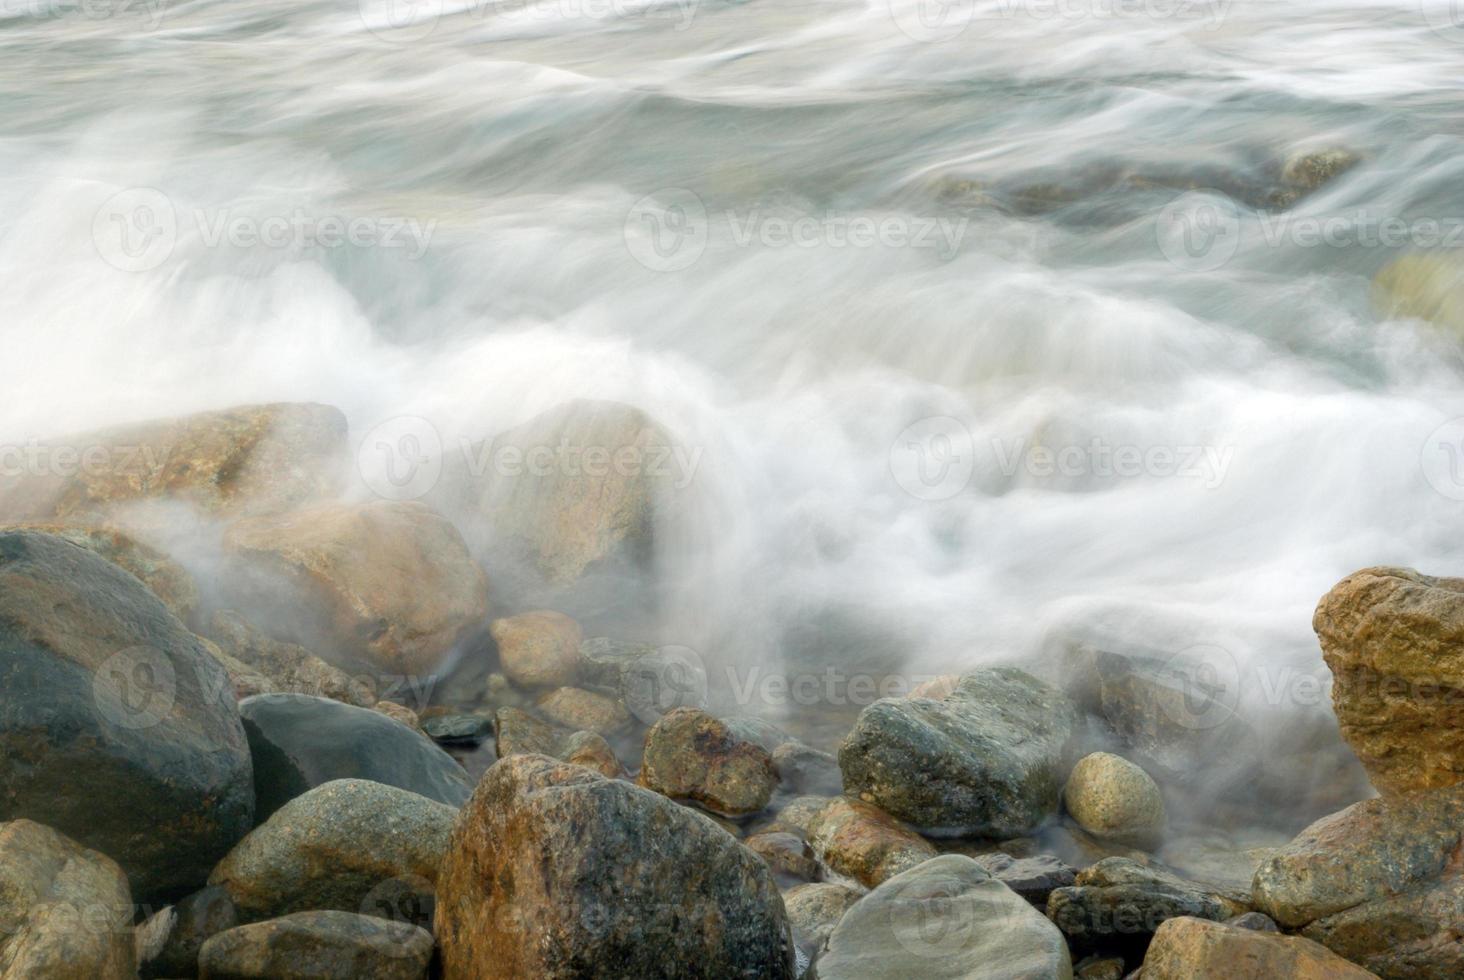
[815, 909]
[1099, 968]
[399, 713]
[538, 649]
[788, 855]
[1189, 949]
[1307, 170]
[1258, 921]
[592, 751]
[689, 755]
[189, 924]
[1034, 878]
[797, 816]
[860, 841]
[458, 729]
[1112, 798]
[580, 710]
[321, 945]
[807, 771]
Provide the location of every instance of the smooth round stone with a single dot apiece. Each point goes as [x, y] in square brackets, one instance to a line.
[1112, 798]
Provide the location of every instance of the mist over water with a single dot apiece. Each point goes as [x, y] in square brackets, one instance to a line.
[658, 203]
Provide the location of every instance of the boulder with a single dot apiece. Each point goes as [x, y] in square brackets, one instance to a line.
[351, 844]
[987, 760]
[182, 929]
[283, 668]
[814, 909]
[245, 460]
[65, 911]
[945, 919]
[1394, 640]
[299, 742]
[539, 648]
[797, 816]
[1196, 949]
[862, 842]
[321, 945]
[387, 583]
[1119, 903]
[690, 755]
[581, 710]
[1112, 798]
[116, 726]
[555, 872]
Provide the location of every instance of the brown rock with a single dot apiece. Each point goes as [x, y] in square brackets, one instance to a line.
[787, 854]
[1196, 949]
[1394, 640]
[399, 712]
[285, 668]
[538, 649]
[64, 911]
[520, 733]
[690, 755]
[246, 460]
[860, 841]
[815, 908]
[389, 582]
[321, 945]
[582, 710]
[591, 750]
[556, 872]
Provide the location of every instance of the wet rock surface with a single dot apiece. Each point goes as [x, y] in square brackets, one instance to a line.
[538, 648]
[862, 842]
[1112, 798]
[323, 945]
[1188, 948]
[1034, 878]
[815, 909]
[690, 755]
[1120, 902]
[581, 710]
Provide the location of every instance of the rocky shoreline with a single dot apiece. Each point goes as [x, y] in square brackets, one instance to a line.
[253, 727]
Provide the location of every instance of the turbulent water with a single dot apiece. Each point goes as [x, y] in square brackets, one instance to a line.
[872, 262]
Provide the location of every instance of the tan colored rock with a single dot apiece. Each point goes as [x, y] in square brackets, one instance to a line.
[787, 854]
[581, 710]
[591, 750]
[399, 712]
[1112, 798]
[689, 755]
[250, 459]
[65, 912]
[1394, 640]
[321, 945]
[520, 733]
[285, 668]
[391, 582]
[1309, 169]
[815, 908]
[538, 649]
[860, 841]
[555, 872]
[936, 688]
[1424, 285]
[1196, 949]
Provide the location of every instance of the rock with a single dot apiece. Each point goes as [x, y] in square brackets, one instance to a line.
[555, 872]
[815, 909]
[166, 579]
[591, 750]
[323, 945]
[246, 460]
[389, 583]
[65, 911]
[580, 710]
[936, 688]
[807, 771]
[1394, 640]
[538, 649]
[1378, 883]
[787, 854]
[1195, 949]
[1425, 286]
[399, 713]
[187, 926]
[1308, 170]
[651, 681]
[1258, 921]
[116, 726]
[1112, 798]
[945, 918]
[467, 730]
[862, 842]
[520, 733]
[286, 668]
[797, 816]
[1099, 968]
[988, 760]
[299, 742]
[351, 844]
[1034, 878]
[1119, 902]
[690, 755]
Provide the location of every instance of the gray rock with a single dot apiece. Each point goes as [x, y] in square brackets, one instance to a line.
[945, 919]
[815, 909]
[299, 742]
[807, 771]
[650, 680]
[458, 729]
[320, 945]
[988, 760]
[1034, 878]
[1119, 902]
[351, 845]
[116, 726]
[186, 927]
[787, 854]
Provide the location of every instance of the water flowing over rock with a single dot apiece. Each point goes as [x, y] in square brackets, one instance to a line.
[322, 945]
[351, 845]
[388, 583]
[945, 919]
[1192, 949]
[116, 726]
[1425, 285]
[555, 872]
[988, 760]
[65, 911]
[690, 755]
[299, 742]
[252, 459]
[1394, 640]
[1378, 883]
[1112, 798]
